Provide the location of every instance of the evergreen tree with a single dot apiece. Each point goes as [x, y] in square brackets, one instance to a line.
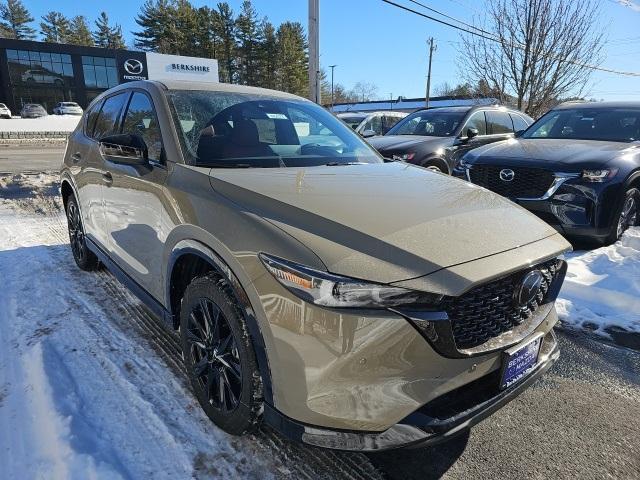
[106, 36]
[248, 35]
[54, 28]
[268, 56]
[225, 28]
[79, 33]
[159, 28]
[15, 20]
[293, 62]
[206, 40]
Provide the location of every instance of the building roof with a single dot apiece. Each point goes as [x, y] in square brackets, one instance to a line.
[410, 104]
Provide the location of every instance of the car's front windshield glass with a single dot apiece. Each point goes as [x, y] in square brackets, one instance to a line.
[605, 124]
[241, 130]
[429, 123]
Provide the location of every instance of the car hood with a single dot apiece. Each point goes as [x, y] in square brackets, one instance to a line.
[555, 153]
[382, 222]
[403, 143]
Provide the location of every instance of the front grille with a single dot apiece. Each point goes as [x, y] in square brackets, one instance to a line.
[489, 310]
[527, 182]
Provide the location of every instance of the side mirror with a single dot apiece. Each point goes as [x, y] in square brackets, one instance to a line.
[471, 133]
[125, 149]
[368, 133]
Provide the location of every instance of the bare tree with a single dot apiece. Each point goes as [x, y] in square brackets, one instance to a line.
[538, 52]
[364, 91]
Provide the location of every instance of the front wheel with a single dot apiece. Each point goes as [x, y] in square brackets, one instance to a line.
[219, 355]
[627, 216]
[85, 258]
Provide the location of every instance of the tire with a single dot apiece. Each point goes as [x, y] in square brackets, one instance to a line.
[436, 166]
[628, 215]
[85, 258]
[220, 357]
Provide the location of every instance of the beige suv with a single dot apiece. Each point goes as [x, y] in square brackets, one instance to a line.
[346, 301]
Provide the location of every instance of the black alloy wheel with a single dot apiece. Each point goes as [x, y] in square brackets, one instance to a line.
[84, 258]
[628, 215]
[219, 356]
[215, 362]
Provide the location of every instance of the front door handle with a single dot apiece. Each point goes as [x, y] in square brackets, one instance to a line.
[107, 177]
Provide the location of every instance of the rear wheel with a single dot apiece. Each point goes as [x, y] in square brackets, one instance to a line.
[85, 258]
[628, 215]
[219, 355]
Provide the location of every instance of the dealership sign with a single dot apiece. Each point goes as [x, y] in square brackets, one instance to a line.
[177, 67]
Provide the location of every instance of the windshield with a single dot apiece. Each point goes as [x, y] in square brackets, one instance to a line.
[429, 123]
[606, 124]
[241, 130]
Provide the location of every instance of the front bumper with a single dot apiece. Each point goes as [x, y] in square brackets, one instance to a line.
[435, 422]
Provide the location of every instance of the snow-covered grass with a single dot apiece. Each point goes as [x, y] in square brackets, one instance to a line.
[602, 288]
[50, 123]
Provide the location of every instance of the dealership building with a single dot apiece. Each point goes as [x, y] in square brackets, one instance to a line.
[48, 73]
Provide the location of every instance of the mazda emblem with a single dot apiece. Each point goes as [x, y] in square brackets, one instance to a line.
[133, 66]
[507, 175]
[529, 288]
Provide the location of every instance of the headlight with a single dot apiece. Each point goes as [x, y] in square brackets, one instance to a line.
[598, 175]
[325, 289]
[405, 157]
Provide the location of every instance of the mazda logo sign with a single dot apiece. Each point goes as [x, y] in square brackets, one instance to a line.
[507, 175]
[133, 66]
[528, 289]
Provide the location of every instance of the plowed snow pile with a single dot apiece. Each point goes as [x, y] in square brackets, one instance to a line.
[602, 288]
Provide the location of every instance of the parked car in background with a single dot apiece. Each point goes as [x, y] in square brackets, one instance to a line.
[302, 274]
[33, 110]
[370, 124]
[577, 168]
[67, 108]
[435, 138]
[4, 111]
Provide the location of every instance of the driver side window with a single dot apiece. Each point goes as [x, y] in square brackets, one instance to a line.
[477, 121]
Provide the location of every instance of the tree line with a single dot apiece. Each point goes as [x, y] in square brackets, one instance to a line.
[16, 22]
[250, 50]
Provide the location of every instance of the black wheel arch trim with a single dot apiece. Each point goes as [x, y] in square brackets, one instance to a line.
[435, 159]
[195, 247]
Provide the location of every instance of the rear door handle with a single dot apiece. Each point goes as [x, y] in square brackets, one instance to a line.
[107, 177]
[76, 157]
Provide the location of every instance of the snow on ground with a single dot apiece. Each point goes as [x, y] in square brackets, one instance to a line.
[50, 123]
[602, 289]
[92, 387]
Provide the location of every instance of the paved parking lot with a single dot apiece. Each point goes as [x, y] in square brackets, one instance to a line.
[41, 158]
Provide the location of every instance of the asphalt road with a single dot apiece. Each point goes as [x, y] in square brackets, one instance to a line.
[19, 159]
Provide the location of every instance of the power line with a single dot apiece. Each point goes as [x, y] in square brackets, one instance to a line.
[497, 40]
[450, 17]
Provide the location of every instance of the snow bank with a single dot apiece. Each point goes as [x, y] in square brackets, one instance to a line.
[602, 288]
[50, 123]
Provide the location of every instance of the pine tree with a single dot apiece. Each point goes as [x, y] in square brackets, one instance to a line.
[159, 29]
[106, 36]
[225, 28]
[249, 40]
[293, 62]
[268, 56]
[54, 28]
[15, 20]
[79, 33]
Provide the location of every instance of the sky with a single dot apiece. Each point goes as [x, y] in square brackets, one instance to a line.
[374, 42]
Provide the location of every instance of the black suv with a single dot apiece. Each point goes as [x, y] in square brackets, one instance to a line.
[436, 138]
[577, 168]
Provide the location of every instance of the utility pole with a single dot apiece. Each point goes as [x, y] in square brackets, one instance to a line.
[432, 48]
[391, 101]
[332, 67]
[314, 51]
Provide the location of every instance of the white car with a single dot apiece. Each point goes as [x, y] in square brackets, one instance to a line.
[67, 108]
[4, 111]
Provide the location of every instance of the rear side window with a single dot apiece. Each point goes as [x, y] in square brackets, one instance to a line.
[91, 118]
[478, 122]
[499, 122]
[519, 123]
[141, 120]
[107, 122]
